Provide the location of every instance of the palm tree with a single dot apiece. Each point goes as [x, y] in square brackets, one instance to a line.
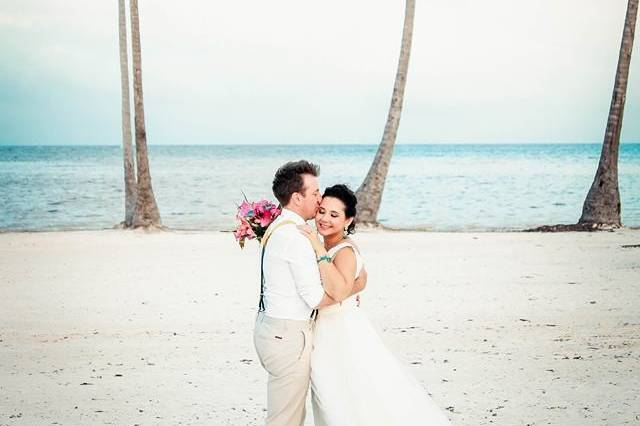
[130, 187]
[147, 214]
[370, 192]
[602, 205]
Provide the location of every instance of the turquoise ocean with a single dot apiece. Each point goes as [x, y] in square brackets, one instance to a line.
[439, 187]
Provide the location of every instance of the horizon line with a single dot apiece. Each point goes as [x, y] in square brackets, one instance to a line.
[314, 144]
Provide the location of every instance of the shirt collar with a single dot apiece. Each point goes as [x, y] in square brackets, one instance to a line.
[291, 215]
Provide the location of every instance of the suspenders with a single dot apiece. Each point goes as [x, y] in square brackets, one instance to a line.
[265, 238]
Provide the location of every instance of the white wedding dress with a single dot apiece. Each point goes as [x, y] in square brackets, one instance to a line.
[355, 379]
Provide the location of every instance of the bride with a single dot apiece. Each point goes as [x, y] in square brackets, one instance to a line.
[355, 380]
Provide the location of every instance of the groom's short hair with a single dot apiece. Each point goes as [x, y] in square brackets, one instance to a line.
[288, 179]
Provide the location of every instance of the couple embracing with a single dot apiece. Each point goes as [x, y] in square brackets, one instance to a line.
[310, 328]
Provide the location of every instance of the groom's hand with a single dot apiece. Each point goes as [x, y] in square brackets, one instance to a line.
[361, 282]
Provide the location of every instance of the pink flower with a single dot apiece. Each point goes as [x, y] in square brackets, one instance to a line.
[266, 217]
[244, 230]
[244, 210]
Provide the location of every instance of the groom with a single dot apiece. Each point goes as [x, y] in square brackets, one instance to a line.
[291, 290]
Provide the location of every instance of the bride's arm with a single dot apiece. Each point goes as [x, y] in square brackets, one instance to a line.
[337, 276]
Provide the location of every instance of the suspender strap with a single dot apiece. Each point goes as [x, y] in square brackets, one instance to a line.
[261, 302]
[265, 238]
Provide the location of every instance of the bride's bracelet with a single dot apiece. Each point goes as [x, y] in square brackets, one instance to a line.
[325, 257]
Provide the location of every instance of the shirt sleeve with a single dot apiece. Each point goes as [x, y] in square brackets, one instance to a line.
[304, 269]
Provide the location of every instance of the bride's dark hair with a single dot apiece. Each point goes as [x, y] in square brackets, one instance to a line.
[348, 198]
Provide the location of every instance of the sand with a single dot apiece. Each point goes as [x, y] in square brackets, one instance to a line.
[124, 328]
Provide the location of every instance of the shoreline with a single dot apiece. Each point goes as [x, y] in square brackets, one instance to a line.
[361, 229]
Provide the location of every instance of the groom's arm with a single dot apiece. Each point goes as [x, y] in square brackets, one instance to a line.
[358, 285]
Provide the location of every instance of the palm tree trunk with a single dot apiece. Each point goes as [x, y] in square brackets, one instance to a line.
[602, 205]
[370, 192]
[147, 214]
[130, 189]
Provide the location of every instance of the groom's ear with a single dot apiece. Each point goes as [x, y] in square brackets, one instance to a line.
[295, 197]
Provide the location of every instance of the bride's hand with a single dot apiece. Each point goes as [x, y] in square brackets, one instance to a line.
[312, 235]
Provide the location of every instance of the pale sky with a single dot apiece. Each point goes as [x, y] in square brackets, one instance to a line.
[290, 71]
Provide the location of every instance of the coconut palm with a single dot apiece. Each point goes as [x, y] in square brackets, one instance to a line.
[370, 192]
[147, 214]
[130, 188]
[602, 205]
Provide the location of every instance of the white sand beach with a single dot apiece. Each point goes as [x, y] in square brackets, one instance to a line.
[124, 328]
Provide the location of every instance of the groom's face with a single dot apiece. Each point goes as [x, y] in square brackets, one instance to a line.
[311, 197]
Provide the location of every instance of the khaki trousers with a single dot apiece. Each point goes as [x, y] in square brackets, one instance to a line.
[284, 348]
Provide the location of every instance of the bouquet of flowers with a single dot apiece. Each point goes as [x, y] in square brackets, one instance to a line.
[255, 218]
